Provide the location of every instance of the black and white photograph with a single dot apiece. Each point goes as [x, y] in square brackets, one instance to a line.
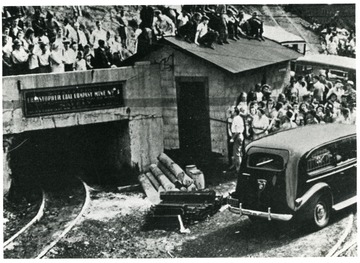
[179, 130]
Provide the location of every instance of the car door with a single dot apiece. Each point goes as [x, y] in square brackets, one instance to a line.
[345, 178]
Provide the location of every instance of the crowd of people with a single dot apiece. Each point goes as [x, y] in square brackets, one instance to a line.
[336, 40]
[306, 100]
[44, 45]
[339, 41]
[39, 43]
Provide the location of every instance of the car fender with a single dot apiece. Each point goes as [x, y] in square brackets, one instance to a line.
[306, 200]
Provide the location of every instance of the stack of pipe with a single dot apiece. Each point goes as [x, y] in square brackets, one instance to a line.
[163, 177]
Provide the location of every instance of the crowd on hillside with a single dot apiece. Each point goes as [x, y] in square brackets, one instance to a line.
[39, 43]
[336, 40]
[340, 42]
[306, 100]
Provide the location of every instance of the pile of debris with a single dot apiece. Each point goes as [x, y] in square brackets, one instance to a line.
[166, 176]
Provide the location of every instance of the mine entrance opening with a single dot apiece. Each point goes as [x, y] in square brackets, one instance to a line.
[98, 153]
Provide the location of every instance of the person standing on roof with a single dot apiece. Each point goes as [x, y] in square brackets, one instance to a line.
[204, 35]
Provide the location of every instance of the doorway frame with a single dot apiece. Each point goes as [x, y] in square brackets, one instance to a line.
[205, 81]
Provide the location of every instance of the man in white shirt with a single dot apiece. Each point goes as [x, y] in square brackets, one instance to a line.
[44, 62]
[319, 89]
[69, 56]
[237, 129]
[80, 36]
[97, 34]
[204, 35]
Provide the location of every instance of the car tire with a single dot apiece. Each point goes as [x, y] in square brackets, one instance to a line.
[321, 213]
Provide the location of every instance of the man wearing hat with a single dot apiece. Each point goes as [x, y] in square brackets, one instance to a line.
[204, 35]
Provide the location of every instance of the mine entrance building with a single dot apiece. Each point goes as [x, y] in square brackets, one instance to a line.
[199, 84]
[117, 121]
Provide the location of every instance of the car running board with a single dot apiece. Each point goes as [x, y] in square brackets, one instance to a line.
[345, 203]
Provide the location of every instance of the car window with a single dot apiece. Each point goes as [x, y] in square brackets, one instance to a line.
[331, 155]
[266, 161]
[346, 150]
[320, 158]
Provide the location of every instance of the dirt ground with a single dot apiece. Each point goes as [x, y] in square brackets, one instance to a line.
[113, 227]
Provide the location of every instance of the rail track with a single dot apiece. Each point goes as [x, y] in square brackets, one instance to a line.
[63, 204]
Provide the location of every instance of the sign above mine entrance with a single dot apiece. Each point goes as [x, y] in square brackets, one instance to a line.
[57, 100]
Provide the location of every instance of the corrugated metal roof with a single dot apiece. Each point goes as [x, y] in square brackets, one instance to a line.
[241, 55]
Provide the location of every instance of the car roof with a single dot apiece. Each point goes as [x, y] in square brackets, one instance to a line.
[330, 60]
[302, 139]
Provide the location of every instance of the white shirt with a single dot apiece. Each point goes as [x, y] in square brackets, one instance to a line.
[96, 35]
[19, 56]
[69, 56]
[33, 61]
[260, 124]
[44, 58]
[71, 33]
[237, 125]
[56, 61]
[165, 25]
[182, 20]
[259, 96]
[202, 29]
[80, 64]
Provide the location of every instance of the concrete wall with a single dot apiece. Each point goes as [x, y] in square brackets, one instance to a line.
[224, 88]
[142, 97]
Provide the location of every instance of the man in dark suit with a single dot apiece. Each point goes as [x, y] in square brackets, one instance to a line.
[101, 59]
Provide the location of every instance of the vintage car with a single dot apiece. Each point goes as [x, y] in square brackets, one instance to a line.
[304, 173]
